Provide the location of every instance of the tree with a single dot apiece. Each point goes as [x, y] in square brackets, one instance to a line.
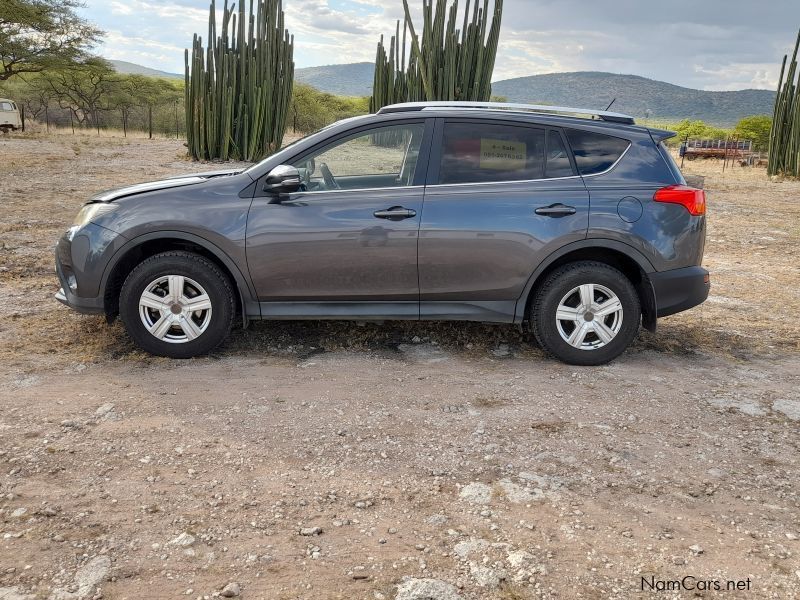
[698, 130]
[755, 128]
[85, 88]
[39, 34]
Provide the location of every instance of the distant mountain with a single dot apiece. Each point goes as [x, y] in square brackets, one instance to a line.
[129, 68]
[637, 96]
[344, 80]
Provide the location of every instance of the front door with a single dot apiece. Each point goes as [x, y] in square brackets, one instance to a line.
[501, 197]
[347, 243]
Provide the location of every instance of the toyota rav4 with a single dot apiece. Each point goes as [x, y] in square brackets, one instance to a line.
[574, 223]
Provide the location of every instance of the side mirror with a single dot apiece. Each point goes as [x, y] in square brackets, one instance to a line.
[283, 179]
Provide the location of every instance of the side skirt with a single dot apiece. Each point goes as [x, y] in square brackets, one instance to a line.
[485, 312]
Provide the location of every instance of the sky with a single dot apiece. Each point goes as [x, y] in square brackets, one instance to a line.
[703, 44]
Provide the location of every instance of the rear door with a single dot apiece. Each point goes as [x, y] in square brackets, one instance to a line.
[501, 197]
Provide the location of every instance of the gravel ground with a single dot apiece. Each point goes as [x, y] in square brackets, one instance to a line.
[408, 461]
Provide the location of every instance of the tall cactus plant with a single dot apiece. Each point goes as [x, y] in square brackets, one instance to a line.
[238, 89]
[784, 139]
[445, 63]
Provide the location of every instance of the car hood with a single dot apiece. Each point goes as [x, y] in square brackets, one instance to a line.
[151, 186]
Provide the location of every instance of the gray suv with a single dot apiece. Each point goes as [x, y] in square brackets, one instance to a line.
[574, 223]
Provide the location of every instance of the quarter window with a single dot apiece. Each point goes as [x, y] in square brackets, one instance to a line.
[484, 152]
[595, 152]
[383, 157]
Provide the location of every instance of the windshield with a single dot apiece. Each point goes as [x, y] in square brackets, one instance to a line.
[302, 139]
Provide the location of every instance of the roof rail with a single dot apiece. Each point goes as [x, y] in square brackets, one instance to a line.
[603, 115]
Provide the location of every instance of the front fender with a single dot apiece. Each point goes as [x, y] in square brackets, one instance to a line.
[243, 284]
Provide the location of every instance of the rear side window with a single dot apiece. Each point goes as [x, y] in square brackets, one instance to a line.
[489, 152]
[595, 152]
[558, 163]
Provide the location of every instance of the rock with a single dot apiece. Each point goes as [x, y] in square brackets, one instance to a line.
[486, 576]
[790, 408]
[184, 540]
[519, 558]
[696, 549]
[426, 589]
[104, 411]
[465, 548]
[232, 590]
[19, 513]
[9, 593]
[311, 531]
[91, 575]
[476, 493]
[520, 495]
[502, 351]
[436, 520]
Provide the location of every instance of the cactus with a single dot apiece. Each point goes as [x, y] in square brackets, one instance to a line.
[238, 88]
[446, 63]
[784, 139]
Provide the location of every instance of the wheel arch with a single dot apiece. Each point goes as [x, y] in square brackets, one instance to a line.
[150, 244]
[627, 259]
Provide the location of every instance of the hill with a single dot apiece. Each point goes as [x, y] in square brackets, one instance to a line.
[129, 68]
[637, 96]
[344, 80]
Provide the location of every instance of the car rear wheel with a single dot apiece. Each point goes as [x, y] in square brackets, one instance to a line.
[177, 304]
[586, 313]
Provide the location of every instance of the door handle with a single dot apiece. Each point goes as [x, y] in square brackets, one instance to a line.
[396, 213]
[556, 210]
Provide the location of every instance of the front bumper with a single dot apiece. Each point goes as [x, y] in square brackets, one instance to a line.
[679, 289]
[81, 258]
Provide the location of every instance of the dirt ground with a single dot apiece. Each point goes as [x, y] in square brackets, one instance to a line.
[332, 460]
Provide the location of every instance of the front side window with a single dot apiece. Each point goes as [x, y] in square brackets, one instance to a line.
[383, 157]
[595, 152]
[489, 152]
[6, 106]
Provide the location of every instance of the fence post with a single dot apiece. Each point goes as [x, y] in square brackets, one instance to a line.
[22, 117]
[71, 122]
[177, 137]
[46, 120]
[150, 120]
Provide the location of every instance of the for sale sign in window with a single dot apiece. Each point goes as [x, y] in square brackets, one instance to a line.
[503, 155]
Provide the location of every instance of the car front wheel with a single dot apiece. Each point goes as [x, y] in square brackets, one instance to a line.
[177, 304]
[586, 313]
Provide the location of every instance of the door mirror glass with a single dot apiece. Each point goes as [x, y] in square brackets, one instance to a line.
[283, 179]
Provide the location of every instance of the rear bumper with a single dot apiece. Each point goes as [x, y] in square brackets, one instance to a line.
[679, 289]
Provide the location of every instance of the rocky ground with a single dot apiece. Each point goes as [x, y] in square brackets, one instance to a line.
[408, 461]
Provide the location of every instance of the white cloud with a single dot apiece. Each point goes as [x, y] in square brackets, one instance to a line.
[711, 44]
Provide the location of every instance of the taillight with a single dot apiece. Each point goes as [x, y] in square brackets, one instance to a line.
[693, 199]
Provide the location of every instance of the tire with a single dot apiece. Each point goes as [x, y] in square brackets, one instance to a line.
[158, 296]
[572, 333]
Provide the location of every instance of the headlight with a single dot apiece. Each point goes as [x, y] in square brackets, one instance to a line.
[91, 211]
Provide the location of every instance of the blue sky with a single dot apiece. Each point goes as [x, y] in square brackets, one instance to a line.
[706, 44]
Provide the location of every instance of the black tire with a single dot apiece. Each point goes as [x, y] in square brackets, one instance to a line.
[567, 278]
[193, 267]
